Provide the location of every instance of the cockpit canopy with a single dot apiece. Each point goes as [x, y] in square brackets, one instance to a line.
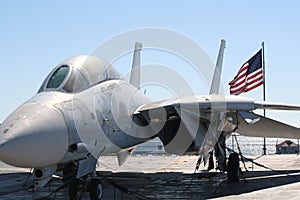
[79, 73]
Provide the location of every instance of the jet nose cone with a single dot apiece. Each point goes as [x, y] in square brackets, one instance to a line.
[33, 136]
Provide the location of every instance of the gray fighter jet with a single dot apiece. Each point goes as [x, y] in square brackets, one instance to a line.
[85, 109]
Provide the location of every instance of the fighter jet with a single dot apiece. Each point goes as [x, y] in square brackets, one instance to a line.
[85, 109]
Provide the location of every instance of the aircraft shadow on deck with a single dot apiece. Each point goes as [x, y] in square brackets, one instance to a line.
[172, 185]
[257, 180]
[206, 185]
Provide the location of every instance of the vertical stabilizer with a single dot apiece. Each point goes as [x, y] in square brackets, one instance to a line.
[215, 84]
[135, 70]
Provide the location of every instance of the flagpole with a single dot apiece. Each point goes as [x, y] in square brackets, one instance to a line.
[264, 88]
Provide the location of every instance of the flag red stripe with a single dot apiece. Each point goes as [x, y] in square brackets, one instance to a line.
[254, 79]
[253, 87]
[253, 74]
[254, 82]
[234, 89]
[239, 84]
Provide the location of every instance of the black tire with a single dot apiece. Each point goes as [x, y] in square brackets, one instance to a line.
[95, 189]
[233, 168]
[69, 177]
[73, 189]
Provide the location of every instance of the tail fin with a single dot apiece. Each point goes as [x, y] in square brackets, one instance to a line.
[135, 70]
[215, 84]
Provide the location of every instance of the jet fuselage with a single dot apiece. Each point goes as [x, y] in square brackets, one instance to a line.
[57, 127]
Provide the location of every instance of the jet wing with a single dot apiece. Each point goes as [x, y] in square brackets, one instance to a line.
[216, 103]
[204, 106]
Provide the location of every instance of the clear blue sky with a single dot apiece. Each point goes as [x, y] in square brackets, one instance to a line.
[37, 35]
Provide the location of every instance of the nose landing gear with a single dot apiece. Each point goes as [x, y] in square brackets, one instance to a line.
[88, 183]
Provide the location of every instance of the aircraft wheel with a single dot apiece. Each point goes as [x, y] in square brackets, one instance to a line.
[233, 168]
[96, 189]
[73, 189]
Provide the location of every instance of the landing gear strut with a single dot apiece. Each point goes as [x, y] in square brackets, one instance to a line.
[73, 191]
[76, 187]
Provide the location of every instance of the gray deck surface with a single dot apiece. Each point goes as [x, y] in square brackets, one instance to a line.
[171, 177]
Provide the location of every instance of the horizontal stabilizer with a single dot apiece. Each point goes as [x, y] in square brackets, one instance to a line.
[265, 127]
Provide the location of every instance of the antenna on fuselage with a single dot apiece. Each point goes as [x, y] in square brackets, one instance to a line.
[136, 62]
[215, 84]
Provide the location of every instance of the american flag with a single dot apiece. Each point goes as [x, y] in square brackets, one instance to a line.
[249, 76]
